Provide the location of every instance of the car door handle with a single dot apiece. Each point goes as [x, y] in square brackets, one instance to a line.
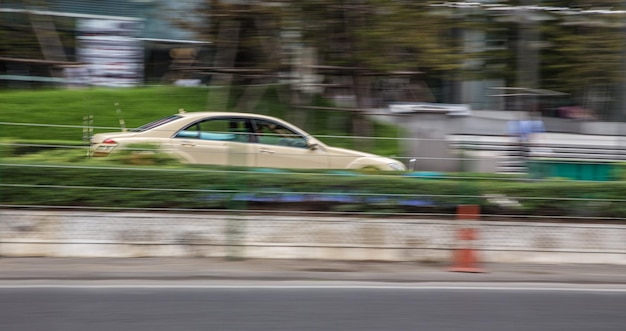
[187, 143]
[266, 151]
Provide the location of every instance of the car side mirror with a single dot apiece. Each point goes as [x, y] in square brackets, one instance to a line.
[313, 146]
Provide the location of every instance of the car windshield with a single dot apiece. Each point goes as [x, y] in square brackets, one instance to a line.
[156, 123]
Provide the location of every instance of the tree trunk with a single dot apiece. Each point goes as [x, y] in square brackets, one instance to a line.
[361, 126]
[228, 43]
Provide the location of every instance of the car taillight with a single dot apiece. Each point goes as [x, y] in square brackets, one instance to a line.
[110, 141]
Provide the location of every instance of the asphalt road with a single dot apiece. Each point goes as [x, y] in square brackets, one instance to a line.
[313, 306]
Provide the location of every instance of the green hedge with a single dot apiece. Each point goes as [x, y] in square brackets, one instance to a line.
[175, 186]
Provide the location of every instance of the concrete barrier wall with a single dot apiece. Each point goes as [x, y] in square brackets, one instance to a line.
[90, 234]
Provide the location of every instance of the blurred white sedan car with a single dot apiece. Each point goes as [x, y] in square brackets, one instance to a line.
[239, 139]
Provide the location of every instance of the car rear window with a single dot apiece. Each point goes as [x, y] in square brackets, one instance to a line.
[156, 123]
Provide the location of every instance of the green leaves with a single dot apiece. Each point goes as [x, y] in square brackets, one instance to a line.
[186, 187]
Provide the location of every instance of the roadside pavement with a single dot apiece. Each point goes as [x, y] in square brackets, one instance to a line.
[198, 269]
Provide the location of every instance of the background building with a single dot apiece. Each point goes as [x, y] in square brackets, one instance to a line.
[110, 43]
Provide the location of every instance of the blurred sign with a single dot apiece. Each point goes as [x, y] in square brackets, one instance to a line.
[426, 107]
[114, 56]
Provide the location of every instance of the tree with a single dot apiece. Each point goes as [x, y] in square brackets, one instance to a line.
[572, 46]
[358, 38]
[586, 55]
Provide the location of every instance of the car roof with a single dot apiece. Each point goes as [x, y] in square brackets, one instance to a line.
[200, 114]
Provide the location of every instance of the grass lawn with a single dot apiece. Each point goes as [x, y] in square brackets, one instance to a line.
[69, 108]
[59, 115]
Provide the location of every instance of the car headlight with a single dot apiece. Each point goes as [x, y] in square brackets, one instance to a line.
[396, 166]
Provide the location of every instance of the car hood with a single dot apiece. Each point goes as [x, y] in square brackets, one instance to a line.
[337, 151]
[351, 159]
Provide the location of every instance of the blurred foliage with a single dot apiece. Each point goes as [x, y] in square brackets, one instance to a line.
[17, 147]
[584, 51]
[620, 172]
[141, 155]
[95, 184]
[379, 35]
[384, 35]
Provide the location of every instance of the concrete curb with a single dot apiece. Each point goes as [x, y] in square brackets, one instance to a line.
[170, 269]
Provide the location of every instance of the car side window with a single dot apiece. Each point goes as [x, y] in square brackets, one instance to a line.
[271, 133]
[221, 129]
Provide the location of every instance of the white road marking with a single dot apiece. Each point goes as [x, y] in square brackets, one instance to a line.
[404, 287]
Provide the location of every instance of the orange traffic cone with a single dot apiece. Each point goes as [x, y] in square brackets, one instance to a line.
[465, 258]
